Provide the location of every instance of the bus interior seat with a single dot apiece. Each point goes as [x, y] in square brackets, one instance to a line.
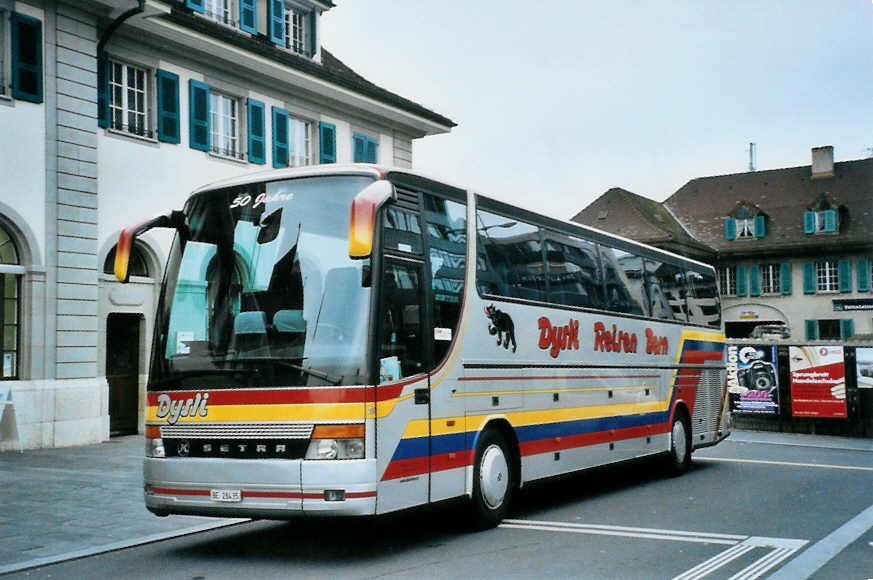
[250, 330]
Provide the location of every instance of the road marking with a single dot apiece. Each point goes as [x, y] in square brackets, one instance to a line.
[779, 549]
[820, 553]
[784, 463]
[88, 552]
[623, 531]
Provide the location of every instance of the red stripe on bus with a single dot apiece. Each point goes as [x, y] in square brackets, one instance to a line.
[406, 468]
[263, 494]
[583, 439]
[169, 491]
[273, 396]
[559, 377]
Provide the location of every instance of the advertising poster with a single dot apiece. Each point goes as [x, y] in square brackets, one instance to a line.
[818, 381]
[753, 378]
[864, 364]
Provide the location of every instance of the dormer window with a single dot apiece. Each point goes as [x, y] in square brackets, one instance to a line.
[296, 23]
[821, 217]
[746, 222]
[293, 26]
[234, 13]
[218, 10]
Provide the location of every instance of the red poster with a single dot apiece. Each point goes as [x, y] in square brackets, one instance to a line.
[818, 381]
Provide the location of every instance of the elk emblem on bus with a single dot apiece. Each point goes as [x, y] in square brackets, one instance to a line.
[501, 325]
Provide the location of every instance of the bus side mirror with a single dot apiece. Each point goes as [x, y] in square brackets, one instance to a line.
[362, 221]
[174, 219]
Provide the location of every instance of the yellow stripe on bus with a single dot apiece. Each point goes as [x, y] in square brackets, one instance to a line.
[294, 412]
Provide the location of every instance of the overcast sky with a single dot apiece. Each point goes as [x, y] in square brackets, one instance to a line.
[558, 101]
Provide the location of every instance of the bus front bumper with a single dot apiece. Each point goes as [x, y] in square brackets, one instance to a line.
[274, 489]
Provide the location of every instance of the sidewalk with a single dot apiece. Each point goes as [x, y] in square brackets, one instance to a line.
[55, 502]
[76, 499]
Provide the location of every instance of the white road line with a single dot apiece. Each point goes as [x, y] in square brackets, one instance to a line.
[779, 550]
[820, 553]
[595, 532]
[626, 529]
[50, 560]
[784, 463]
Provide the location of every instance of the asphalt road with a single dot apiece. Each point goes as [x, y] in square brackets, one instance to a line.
[745, 510]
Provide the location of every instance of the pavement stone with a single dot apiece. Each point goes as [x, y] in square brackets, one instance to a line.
[59, 501]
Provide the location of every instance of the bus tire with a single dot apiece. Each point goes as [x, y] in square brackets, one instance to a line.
[493, 480]
[679, 458]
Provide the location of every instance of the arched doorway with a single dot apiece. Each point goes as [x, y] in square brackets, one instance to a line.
[123, 332]
[10, 306]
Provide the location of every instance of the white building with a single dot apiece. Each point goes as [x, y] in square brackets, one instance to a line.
[111, 111]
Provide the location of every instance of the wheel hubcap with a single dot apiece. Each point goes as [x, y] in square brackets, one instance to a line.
[493, 476]
[679, 442]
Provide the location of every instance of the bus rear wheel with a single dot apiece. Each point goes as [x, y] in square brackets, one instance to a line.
[492, 480]
[679, 458]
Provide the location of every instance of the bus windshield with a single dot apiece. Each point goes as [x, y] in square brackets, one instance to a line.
[260, 289]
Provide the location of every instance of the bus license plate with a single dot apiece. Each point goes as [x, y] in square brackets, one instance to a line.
[227, 495]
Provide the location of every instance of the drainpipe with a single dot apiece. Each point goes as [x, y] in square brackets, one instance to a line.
[101, 56]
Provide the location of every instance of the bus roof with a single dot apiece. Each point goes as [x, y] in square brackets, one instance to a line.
[381, 171]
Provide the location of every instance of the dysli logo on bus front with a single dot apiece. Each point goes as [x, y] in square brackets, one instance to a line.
[172, 410]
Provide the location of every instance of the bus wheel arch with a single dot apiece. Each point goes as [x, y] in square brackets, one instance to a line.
[679, 457]
[496, 453]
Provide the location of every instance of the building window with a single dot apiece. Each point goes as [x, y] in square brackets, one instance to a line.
[822, 220]
[727, 279]
[771, 280]
[827, 278]
[745, 228]
[10, 289]
[296, 23]
[224, 124]
[219, 10]
[128, 99]
[4, 59]
[300, 147]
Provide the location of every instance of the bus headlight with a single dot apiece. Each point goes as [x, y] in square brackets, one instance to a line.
[336, 442]
[154, 445]
[155, 448]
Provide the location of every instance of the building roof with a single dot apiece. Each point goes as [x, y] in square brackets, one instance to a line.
[783, 195]
[331, 69]
[633, 216]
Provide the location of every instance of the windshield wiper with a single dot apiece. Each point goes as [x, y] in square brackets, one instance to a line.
[288, 364]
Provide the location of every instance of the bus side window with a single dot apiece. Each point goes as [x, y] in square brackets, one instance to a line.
[665, 285]
[574, 273]
[623, 281]
[446, 225]
[703, 305]
[514, 259]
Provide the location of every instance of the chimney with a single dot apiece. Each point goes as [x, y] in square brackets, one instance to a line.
[823, 161]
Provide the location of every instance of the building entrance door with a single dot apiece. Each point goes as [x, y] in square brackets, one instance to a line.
[122, 371]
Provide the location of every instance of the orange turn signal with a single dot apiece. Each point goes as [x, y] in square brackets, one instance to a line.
[338, 431]
[152, 432]
[362, 221]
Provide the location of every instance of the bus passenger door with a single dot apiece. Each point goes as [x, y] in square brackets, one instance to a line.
[403, 431]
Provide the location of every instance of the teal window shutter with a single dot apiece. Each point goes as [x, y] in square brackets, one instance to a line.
[741, 280]
[195, 5]
[754, 280]
[248, 16]
[276, 21]
[759, 226]
[327, 139]
[808, 222]
[371, 151]
[730, 229]
[785, 277]
[809, 277]
[26, 37]
[847, 328]
[360, 146]
[102, 91]
[313, 32]
[844, 270]
[811, 329]
[863, 274]
[280, 137]
[830, 221]
[198, 115]
[168, 107]
[257, 128]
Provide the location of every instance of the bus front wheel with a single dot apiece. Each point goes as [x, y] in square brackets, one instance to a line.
[492, 480]
[679, 459]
